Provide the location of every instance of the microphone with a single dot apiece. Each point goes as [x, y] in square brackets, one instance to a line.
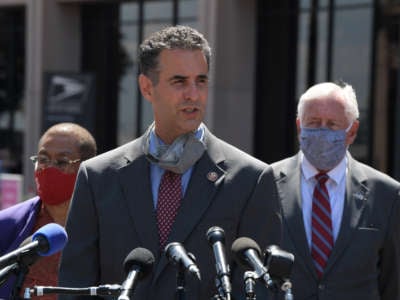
[22, 267]
[216, 238]
[279, 264]
[28, 260]
[138, 264]
[177, 254]
[247, 254]
[46, 241]
[250, 285]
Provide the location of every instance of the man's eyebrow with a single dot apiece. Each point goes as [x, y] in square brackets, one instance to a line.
[182, 77]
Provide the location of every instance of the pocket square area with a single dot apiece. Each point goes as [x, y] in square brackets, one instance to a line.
[368, 228]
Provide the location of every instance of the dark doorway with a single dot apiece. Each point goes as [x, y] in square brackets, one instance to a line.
[276, 75]
[12, 72]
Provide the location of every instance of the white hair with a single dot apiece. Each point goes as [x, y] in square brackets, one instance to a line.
[325, 88]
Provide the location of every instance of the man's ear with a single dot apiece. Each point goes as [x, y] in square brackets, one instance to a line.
[298, 126]
[352, 134]
[146, 87]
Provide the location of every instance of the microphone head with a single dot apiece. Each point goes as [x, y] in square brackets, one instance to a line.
[51, 237]
[171, 247]
[142, 258]
[279, 262]
[177, 255]
[215, 234]
[240, 246]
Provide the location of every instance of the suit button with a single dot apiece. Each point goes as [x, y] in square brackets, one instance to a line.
[321, 287]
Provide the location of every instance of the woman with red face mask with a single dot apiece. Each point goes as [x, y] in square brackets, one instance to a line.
[61, 149]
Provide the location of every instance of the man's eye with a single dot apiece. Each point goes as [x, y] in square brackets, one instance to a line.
[202, 82]
[178, 82]
[333, 126]
[312, 125]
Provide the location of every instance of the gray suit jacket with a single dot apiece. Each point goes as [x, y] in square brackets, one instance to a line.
[112, 213]
[365, 260]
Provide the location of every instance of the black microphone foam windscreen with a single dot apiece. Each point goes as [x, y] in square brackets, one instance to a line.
[142, 258]
[241, 245]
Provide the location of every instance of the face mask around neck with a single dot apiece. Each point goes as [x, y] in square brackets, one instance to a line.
[178, 157]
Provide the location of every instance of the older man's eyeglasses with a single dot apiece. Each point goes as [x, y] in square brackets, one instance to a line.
[44, 161]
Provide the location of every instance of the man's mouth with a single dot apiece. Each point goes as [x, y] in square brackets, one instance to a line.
[190, 109]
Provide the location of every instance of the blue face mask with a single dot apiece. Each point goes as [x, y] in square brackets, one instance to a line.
[324, 148]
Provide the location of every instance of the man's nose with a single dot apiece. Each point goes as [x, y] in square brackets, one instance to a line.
[192, 91]
[324, 124]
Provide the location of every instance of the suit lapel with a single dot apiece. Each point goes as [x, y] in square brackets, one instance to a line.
[198, 197]
[356, 198]
[289, 189]
[135, 183]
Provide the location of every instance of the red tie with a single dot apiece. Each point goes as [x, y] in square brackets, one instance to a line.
[322, 237]
[169, 200]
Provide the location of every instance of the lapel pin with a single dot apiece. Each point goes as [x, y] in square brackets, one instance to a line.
[359, 196]
[212, 176]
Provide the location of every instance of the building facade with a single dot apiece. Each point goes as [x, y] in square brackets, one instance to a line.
[75, 60]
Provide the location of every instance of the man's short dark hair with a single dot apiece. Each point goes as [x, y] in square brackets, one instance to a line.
[174, 37]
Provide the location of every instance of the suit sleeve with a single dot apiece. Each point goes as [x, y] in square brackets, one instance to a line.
[261, 221]
[80, 259]
[389, 278]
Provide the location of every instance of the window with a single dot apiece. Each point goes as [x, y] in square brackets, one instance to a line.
[12, 64]
[341, 50]
[137, 20]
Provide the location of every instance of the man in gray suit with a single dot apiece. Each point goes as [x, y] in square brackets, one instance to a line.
[340, 217]
[116, 203]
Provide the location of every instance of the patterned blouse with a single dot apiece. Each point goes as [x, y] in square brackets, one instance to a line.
[44, 272]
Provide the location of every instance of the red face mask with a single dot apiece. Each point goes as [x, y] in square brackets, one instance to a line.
[53, 186]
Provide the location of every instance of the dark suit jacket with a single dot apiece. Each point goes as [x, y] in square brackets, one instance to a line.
[365, 260]
[112, 213]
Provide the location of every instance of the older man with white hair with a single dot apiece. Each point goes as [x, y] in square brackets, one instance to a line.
[340, 217]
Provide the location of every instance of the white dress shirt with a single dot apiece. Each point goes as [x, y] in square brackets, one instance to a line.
[336, 186]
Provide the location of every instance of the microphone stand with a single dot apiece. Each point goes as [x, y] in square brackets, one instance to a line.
[21, 273]
[101, 290]
[180, 280]
[287, 289]
[221, 295]
[180, 284]
[250, 285]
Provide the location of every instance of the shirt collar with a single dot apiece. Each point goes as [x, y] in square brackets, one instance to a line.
[336, 174]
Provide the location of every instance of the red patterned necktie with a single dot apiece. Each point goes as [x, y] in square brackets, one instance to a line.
[322, 236]
[169, 200]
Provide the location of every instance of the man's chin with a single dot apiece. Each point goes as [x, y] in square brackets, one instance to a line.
[191, 126]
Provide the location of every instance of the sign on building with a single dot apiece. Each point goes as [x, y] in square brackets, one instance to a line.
[69, 98]
[10, 189]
